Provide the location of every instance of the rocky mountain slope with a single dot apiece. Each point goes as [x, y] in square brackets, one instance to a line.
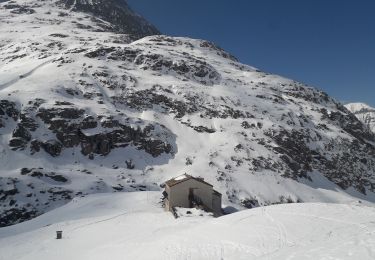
[364, 113]
[86, 106]
[117, 13]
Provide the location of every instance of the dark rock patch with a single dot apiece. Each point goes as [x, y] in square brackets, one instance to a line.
[15, 215]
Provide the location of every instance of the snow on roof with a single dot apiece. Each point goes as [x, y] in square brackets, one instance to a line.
[185, 177]
[181, 177]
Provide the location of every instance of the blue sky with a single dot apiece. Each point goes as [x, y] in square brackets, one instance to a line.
[327, 44]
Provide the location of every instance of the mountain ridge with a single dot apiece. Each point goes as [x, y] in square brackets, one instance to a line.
[116, 12]
[85, 109]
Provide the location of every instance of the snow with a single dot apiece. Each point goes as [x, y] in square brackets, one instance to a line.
[364, 112]
[192, 212]
[355, 107]
[212, 155]
[181, 177]
[134, 226]
[35, 64]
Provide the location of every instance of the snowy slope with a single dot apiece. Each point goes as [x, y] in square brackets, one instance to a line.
[86, 109]
[364, 113]
[134, 226]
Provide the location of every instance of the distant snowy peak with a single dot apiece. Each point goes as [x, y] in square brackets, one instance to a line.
[364, 113]
[359, 108]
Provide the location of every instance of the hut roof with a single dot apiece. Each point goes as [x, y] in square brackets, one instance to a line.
[185, 177]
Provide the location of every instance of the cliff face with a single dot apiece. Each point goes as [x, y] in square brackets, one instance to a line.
[86, 108]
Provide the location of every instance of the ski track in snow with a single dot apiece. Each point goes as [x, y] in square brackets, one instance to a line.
[99, 221]
[24, 76]
[281, 230]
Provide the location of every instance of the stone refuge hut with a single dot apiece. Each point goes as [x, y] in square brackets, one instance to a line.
[188, 192]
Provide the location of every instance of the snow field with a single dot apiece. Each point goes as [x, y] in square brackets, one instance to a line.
[134, 226]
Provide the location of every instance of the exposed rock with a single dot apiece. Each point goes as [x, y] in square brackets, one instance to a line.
[67, 113]
[52, 147]
[250, 203]
[8, 108]
[35, 146]
[189, 68]
[18, 143]
[13, 216]
[19, 9]
[22, 133]
[117, 13]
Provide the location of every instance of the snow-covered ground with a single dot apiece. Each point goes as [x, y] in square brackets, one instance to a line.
[85, 109]
[135, 226]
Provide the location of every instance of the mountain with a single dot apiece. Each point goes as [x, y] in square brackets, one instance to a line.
[123, 225]
[117, 13]
[86, 107]
[364, 113]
